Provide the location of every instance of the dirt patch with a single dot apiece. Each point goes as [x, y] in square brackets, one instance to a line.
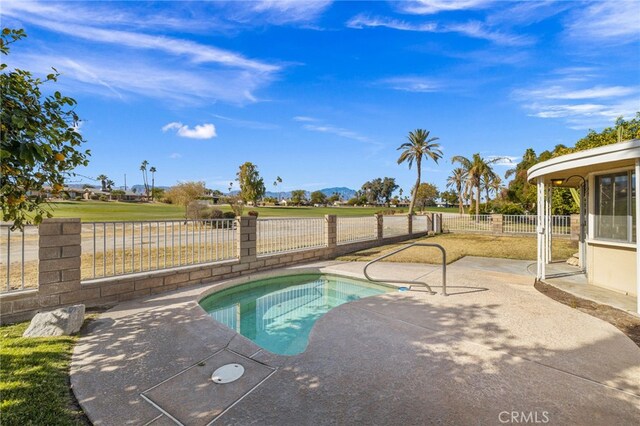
[623, 321]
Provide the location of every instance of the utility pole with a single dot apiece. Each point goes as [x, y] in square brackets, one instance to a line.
[125, 181]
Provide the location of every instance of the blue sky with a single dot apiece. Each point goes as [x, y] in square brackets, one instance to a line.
[322, 93]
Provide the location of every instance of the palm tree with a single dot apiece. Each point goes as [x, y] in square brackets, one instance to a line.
[103, 181]
[419, 145]
[476, 168]
[153, 181]
[496, 185]
[458, 180]
[143, 169]
[275, 184]
[110, 184]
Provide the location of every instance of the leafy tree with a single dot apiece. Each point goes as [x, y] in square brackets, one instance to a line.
[158, 193]
[371, 191]
[184, 193]
[388, 187]
[449, 197]
[426, 195]
[298, 196]
[251, 184]
[458, 181]
[623, 130]
[117, 194]
[40, 141]
[476, 168]
[318, 197]
[153, 171]
[420, 145]
[334, 198]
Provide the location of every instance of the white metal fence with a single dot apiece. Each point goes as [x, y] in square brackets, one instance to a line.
[395, 225]
[119, 248]
[353, 229]
[279, 235]
[527, 224]
[466, 222]
[18, 258]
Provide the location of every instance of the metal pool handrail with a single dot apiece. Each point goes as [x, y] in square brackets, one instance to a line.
[444, 266]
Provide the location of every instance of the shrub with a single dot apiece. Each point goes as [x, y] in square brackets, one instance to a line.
[78, 198]
[103, 198]
[215, 214]
[196, 210]
[95, 197]
[229, 215]
[253, 213]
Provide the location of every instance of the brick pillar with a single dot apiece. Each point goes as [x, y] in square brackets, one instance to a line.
[59, 259]
[437, 223]
[410, 224]
[430, 225]
[331, 231]
[496, 223]
[379, 225]
[247, 230]
[575, 227]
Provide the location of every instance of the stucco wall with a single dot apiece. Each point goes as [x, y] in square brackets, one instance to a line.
[612, 267]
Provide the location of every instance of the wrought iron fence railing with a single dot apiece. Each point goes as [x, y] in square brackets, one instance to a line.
[354, 229]
[18, 258]
[279, 235]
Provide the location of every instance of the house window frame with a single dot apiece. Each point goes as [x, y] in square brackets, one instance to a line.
[631, 238]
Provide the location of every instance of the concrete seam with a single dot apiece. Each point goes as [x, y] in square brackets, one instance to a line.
[153, 419]
[161, 409]
[243, 396]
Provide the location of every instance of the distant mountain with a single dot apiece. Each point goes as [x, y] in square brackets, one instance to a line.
[344, 192]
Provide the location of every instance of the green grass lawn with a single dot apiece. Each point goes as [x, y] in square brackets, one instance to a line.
[95, 211]
[34, 379]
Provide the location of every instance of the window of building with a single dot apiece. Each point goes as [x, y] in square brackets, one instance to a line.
[615, 207]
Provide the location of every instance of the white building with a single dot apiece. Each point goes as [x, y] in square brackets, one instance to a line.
[609, 181]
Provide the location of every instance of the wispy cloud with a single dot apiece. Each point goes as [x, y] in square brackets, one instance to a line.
[412, 84]
[473, 29]
[164, 67]
[430, 7]
[579, 104]
[286, 11]
[200, 131]
[611, 22]
[303, 118]
[247, 123]
[345, 133]
[175, 155]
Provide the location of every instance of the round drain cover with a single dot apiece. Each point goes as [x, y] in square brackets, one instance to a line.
[227, 373]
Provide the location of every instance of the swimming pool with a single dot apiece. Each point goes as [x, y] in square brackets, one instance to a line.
[278, 313]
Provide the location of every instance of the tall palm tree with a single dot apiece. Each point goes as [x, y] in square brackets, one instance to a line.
[458, 180]
[476, 168]
[153, 181]
[110, 184]
[143, 169]
[103, 181]
[419, 145]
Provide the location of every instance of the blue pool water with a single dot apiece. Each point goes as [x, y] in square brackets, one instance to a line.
[278, 313]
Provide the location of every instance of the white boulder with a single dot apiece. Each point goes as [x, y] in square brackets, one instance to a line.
[61, 322]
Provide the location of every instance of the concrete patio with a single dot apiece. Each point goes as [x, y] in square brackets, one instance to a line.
[494, 345]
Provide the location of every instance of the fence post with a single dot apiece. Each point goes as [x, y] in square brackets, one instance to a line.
[575, 227]
[496, 223]
[430, 224]
[59, 257]
[437, 223]
[410, 223]
[379, 225]
[247, 242]
[331, 231]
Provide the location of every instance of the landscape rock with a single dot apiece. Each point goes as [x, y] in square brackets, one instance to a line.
[573, 261]
[61, 322]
